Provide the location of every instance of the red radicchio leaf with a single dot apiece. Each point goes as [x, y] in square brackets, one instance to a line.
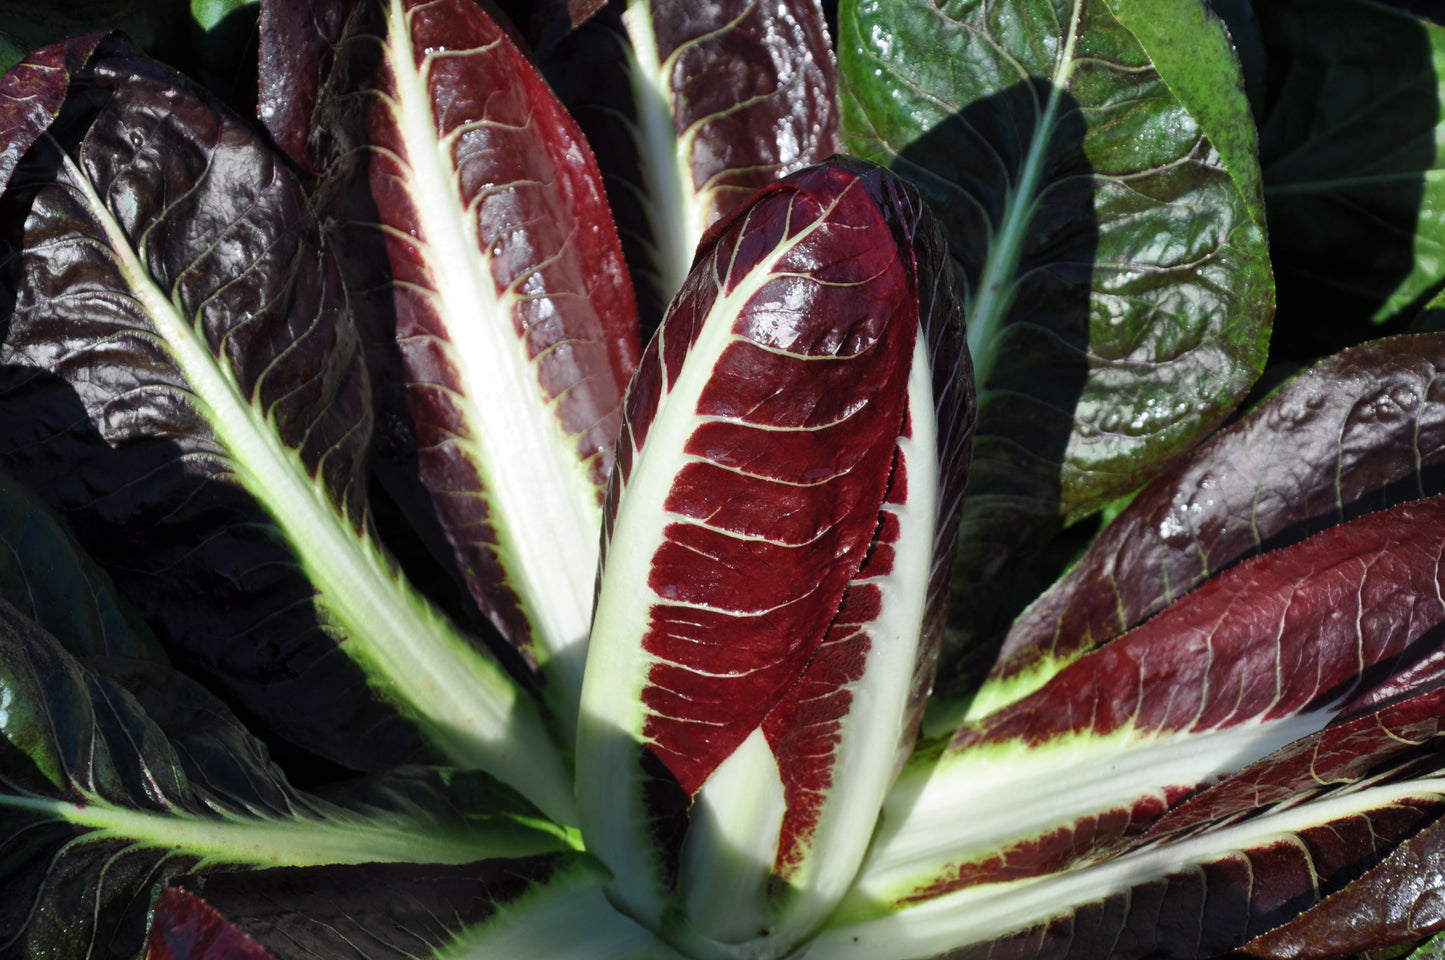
[31, 95]
[772, 548]
[764, 539]
[515, 318]
[1263, 654]
[186, 928]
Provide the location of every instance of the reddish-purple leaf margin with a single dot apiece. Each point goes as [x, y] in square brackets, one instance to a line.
[1328, 444]
[32, 93]
[752, 613]
[1306, 629]
[298, 42]
[185, 927]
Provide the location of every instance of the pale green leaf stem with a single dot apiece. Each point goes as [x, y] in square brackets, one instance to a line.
[300, 841]
[474, 711]
[864, 930]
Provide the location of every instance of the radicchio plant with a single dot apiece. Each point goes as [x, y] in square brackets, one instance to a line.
[519, 487]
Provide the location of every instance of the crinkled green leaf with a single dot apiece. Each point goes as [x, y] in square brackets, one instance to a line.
[1117, 286]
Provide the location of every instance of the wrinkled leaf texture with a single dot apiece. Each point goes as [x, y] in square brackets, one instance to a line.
[177, 343]
[1103, 206]
[97, 417]
[1355, 433]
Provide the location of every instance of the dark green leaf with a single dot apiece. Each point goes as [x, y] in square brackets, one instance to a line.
[148, 23]
[117, 773]
[49, 579]
[1350, 122]
[1118, 294]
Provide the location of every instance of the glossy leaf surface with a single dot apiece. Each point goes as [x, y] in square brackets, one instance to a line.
[510, 295]
[774, 426]
[182, 381]
[1398, 901]
[1358, 431]
[1103, 206]
[32, 94]
[1256, 658]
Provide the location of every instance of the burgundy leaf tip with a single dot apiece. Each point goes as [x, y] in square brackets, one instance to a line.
[185, 927]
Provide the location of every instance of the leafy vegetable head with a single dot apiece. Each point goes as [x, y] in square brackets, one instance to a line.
[883, 574]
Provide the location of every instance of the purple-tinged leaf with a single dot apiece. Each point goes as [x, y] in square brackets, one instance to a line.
[1358, 431]
[298, 40]
[120, 773]
[183, 383]
[728, 96]
[31, 95]
[184, 927]
[1195, 898]
[514, 316]
[1266, 653]
[1399, 901]
[772, 535]
[580, 11]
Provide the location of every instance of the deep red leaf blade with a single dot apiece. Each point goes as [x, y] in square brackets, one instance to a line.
[727, 603]
[186, 928]
[782, 454]
[1266, 653]
[1360, 430]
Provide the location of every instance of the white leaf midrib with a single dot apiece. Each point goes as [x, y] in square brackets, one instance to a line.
[475, 710]
[527, 470]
